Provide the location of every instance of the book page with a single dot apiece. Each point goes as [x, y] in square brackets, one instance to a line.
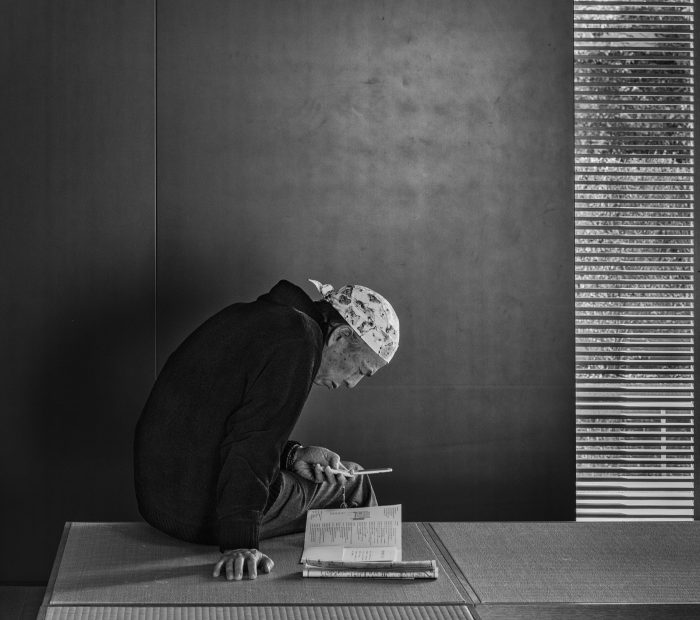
[353, 534]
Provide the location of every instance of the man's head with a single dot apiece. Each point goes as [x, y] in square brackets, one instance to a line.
[362, 334]
[346, 359]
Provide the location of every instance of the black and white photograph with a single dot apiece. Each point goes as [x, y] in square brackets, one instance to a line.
[348, 310]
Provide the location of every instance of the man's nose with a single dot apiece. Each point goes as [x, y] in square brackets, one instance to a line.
[351, 383]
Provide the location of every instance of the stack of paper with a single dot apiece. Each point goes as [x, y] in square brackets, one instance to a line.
[421, 569]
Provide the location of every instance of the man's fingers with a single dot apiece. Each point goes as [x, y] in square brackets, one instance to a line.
[304, 470]
[217, 568]
[330, 476]
[238, 568]
[335, 461]
[252, 566]
[234, 563]
[318, 473]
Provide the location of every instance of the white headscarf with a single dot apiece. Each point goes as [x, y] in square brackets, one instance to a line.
[368, 313]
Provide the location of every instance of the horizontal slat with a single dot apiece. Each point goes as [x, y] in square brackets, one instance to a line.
[586, 397]
[616, 275]
[640, 81]
[621, 518]
[595, 351]
[587, 407]
[663, 312]
[602, 7]
[622, 387]
[678, 454]
[619, 343]
[627, 493]
[637, 455]
[652, 284]
[623, 332]
[590, 354]
[642, 468]
[654, 203]
[661, 6]
[587, 38]
[604, 30]
[614, 391]
[651, 483]
[632, 180]
[634, 347]
[626, 377]
[613, 442]
[587, 295]
[637, 28]
[584, 88]
[644, 229]
[648, 502]
[589, 461]
[626, 260]
[642, 365]
[607, 477]
[623, 168]
[599, 97]
[636, 45]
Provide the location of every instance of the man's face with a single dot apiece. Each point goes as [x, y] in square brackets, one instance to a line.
[345, 362]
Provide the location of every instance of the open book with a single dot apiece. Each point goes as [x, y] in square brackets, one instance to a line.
[370, 534]
[359, 542]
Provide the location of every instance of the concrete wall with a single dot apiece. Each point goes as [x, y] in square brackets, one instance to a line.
[420, 148]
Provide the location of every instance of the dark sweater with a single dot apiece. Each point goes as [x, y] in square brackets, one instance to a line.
[212, 435]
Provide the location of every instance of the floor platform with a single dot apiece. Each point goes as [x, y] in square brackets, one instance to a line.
[488, 571]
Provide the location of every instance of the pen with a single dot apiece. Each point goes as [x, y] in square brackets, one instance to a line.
[361, 472]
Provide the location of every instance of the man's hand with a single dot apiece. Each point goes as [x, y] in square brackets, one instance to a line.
[316, 464]
[235, 559]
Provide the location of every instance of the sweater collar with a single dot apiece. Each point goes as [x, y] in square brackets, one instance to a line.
[285, 293]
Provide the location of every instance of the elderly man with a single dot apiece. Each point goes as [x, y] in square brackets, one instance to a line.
[212, 455]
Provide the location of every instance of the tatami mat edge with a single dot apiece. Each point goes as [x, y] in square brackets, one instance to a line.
[291, 612]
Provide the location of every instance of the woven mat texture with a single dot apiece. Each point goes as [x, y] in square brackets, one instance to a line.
[131, 563]
[409, 612]
[588, 612]
[632, 562]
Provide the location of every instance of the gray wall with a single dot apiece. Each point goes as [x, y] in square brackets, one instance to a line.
[77, 248]
[423, 149]
[420, 148]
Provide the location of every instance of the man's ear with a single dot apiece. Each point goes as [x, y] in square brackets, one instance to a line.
[338, 333]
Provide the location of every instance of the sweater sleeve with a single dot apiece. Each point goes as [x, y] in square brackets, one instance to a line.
[256, 433]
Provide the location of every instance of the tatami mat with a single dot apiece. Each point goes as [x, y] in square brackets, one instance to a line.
[633, 562]
[588, 612]
[131, 563]
[409, 612]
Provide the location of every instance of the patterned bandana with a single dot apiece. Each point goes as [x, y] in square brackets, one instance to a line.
[368, 313]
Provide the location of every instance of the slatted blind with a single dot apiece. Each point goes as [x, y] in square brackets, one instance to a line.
[634, 105]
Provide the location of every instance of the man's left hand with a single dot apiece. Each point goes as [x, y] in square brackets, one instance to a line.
[318, 464]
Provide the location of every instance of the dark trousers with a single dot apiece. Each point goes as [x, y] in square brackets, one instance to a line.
[298, 495]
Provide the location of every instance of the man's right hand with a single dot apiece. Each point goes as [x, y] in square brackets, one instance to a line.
[236, 559]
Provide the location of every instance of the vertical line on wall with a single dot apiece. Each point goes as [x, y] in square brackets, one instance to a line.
[696, 332]
[155, 188]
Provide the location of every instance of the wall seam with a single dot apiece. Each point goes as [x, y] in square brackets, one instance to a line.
[155, 188]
